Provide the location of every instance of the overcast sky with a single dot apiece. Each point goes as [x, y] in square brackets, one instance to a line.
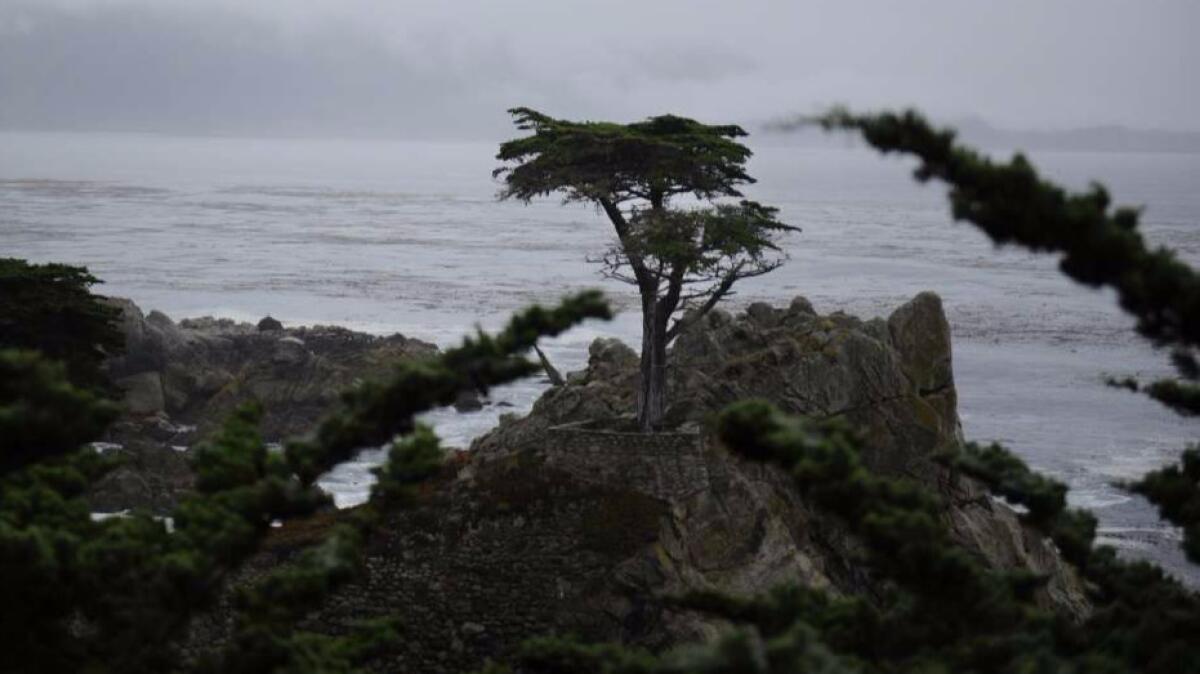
[450, 68]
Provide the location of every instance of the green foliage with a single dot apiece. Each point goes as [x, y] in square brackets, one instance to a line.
[953, 603]
[41, 415]
[548, 655]
[1176, 492]
[265, 636]
[116, 595]
[1006, 475]
[409, 463]
[1141, 620]
[699, 247]
[1181, 396]
[1127, 383]
[119, 595]
[590, 161]
[300, 652]
[1013, 204]
[48, 308]
[42, 518]
[374, 413]
[1044, 500]
[1100, 247]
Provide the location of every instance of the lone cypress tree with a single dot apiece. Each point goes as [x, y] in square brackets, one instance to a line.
[679, 258]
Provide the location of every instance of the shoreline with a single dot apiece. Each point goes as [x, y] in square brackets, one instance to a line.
[1124, 519]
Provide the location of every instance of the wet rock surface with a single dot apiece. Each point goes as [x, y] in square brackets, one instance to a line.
[552, 524]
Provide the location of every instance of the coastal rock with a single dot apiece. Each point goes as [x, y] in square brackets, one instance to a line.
[920, 333]
[608, 357]
[290, 351]
[268, 324]
[892, 379]
[154, 470]
[468, 401]
[199, 370]
[195, 373]
[556, 524]
[143, 393]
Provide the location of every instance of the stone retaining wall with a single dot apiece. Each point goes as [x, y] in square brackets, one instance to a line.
[667, 466]
[473, 571]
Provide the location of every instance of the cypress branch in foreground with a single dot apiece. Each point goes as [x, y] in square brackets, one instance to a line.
[118, 594]
[1012, 203]
[1100, 247]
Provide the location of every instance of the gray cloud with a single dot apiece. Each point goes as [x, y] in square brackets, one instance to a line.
[375, 67]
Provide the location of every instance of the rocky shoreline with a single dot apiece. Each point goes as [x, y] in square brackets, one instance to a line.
[551, 525]
[182, 379]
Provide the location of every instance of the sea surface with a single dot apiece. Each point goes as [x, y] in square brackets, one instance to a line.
[408, 237]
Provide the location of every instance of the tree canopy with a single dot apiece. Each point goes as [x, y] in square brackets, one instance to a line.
[651, 160]
[679, 258]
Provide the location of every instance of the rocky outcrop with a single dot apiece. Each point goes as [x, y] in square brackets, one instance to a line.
[154, 470]
[199, 370]
[893, 379]
[181, 380]
[552, 524]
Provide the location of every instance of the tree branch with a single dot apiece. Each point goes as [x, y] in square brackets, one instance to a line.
[718, 292]
[670, 301]
[644, 279]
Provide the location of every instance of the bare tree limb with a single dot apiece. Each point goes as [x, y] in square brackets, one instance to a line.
[556, 379]
[720, 291]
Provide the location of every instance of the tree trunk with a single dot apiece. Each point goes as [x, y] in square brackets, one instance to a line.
[652, 394]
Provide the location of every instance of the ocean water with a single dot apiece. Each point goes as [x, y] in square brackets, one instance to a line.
[408, 237]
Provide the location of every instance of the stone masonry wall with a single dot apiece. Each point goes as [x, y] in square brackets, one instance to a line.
[668, 466]
[478, 568]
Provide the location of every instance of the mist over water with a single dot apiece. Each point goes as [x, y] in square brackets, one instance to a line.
[407, 237]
